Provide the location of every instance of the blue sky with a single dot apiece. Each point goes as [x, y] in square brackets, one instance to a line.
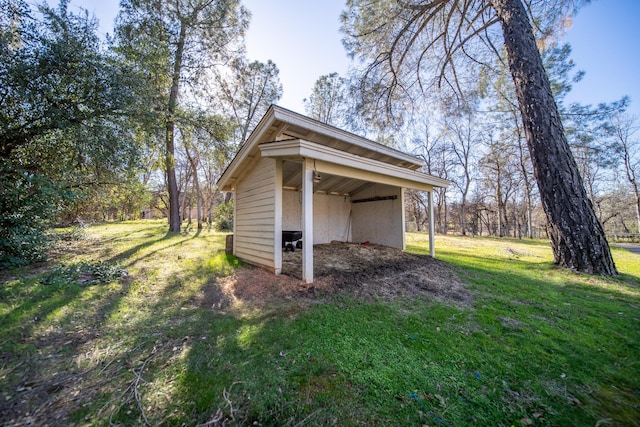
[302, 37]
[605, 39]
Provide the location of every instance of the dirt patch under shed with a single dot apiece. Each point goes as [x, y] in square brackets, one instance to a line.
[367, 272]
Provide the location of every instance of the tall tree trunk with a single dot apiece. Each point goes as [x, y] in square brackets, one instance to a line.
[172, 184]
[463, 207]
[577, 237]
[499, 200]
[529, 215]
[506, 225]
[174, 196]
[194, 160]
[463, 203]
[445, 224]
[439, 213]
[636, 192]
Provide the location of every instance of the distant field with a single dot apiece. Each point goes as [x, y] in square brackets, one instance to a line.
[131, 325]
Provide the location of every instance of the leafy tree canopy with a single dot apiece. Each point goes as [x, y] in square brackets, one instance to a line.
[65, 118]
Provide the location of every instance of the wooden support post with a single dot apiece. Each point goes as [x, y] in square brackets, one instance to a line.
[307, 220]
[432, 248]
[403, 225]
[277, 200]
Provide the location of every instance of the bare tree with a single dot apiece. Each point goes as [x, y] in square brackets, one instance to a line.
[404, 42]
[626, 146]
[498, 167]
[328, 100]
[247, 92]
[463, 139]
[435, 153]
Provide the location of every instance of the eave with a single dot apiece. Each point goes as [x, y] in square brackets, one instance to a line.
[338, 163]
[281, 124]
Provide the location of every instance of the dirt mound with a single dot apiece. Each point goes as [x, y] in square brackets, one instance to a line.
[367, 272]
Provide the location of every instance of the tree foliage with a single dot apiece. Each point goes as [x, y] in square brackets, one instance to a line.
[204, 138]
[328, 100]
[28, 203]
[56, 82]
[177, 42]
[63, 103]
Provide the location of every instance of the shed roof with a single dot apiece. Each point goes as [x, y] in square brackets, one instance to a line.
[279, 124]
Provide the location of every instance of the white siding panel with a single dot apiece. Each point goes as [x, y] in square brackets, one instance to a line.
[252, 212]
[255, 214]
[248, 231]
[256, 192]
[381, 221]
[249, 253]
[260, 203]
[255, 218]
[261, 234]
[331, 216]
[260, 173]
[253, 240]
[257, 260]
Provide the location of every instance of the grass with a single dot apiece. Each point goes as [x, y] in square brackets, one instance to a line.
[539, 345]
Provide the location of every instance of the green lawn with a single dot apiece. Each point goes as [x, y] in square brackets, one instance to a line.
[537, 346]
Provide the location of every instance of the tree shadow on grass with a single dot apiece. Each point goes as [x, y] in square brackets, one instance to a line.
[127, 257]
[43, 340]
[322, 365]
[355, 362]
[59, 352]
[129, 253]
[584, 324]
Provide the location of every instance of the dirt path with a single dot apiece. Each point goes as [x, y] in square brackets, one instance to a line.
[631, 247]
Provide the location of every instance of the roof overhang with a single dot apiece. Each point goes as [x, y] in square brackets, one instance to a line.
[335, 162]
[280, 126]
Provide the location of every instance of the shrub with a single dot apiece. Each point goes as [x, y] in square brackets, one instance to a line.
[84, 274]
[28, 204]
[223, 216]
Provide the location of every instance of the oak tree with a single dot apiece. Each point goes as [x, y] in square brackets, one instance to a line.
[64, 108]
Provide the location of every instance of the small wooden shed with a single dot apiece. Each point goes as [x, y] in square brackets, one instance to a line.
[296, 173]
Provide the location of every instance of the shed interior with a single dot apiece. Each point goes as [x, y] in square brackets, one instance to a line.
[344, 209]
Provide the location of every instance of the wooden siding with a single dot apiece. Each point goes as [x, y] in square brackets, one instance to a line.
[382, 221]
[331, 216]
[255, 215]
